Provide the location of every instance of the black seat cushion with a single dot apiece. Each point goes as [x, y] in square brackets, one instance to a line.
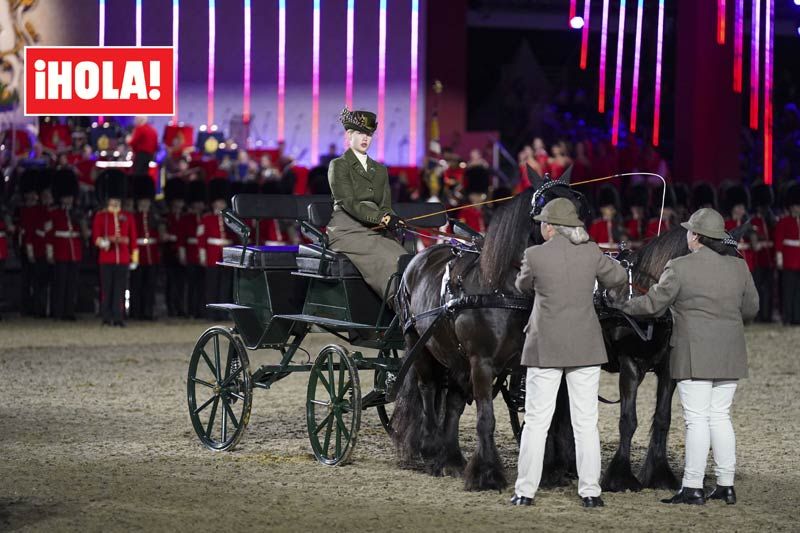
[314, 259]
[261, 257]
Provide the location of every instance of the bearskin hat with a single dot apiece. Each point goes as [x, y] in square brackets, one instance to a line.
[219, 189]
[793, 195]
[174, 189]
[608, 195]
[65, 183]
[196, 192]
[29, 180]
[477, 179]
[111, 183]
[762, 195]
[736, 195]
[639, 196]
[144, 187]
[704, 195]
[45, 179]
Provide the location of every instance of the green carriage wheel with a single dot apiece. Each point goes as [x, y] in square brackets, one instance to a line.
[219, 389]
[333, 406]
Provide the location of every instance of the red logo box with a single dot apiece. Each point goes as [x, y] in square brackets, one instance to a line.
[95, 80]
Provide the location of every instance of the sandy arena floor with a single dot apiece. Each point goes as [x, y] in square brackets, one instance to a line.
[95, 436]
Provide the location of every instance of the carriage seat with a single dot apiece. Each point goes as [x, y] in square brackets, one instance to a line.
[261, 257]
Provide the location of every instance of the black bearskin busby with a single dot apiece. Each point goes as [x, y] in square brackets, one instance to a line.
[762, 195]
[111, 183]
[65, 183]
[736, 195]
[704, 195]
[174, 189]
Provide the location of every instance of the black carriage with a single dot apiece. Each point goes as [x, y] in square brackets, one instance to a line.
[280, 295]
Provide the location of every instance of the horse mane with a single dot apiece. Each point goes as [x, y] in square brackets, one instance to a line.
[506, 240]
[653, 256]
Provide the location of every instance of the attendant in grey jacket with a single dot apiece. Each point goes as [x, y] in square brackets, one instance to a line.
[563, 337]
[710, 295]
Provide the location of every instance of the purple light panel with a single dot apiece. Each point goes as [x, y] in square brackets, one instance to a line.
[769, 36]
[246, 81]
[315, 85]
[413, 89]
[212, 41]
[587, 9]
[348, 84]
[381, 75]
[755, 58]
[601, 97]
[636, 56]
[659, 49]
[738, 43]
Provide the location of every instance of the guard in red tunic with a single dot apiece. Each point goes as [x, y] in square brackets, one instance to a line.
[114, 234]
[144, 143]
[42, 270]
[64, 245]
[174, 195]
[763, 221]
[737, 202]
[606, 231]
[213, 236]
[145, 277]
[636, 223]
[189, 252]
[27, 218]
[476, 189]
[787, 257]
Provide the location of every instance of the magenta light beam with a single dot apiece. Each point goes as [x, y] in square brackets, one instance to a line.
[587, 9]
[573, 10]
[281, 68]
[212, 41]
[412, 112]
[315, 85]
[601, 99]
[755, 58]
[381, 75]
[348, 83]
[175, 34]
[636, 55]
[101, 38]
[738, 43]
[720, 21]
[769, 35]
[138, 22]
[247, 52]
[659, 49]
[618, 76]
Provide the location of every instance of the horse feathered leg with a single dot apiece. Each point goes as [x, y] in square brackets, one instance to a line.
[451, 461]
[484, 470]
[656, 472]
[559, 451]
[619, 477]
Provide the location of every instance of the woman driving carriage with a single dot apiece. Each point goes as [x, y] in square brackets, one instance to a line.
[362, 201]
[710, 295]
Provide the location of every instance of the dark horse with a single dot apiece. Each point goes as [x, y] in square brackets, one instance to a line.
[633, 356]
[471, 346]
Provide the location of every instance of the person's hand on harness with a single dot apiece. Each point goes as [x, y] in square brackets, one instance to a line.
[393, 222]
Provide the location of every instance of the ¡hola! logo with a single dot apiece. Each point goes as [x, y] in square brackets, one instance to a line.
[95, 80]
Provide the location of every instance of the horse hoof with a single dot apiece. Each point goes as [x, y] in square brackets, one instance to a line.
[482, 475]
[619, 478]
[660, 476]
[454, 467]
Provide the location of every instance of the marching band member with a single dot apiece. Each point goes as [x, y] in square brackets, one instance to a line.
[737, 201]
[213, 236]
[563, 337]
[64, 246]
[189, 252]
[605, 230]
[764, 221]
[787, 257]
[174, 191]
[710, 295]
[362, 199]
[144, 277]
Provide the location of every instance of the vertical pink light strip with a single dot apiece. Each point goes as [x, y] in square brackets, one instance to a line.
[755, 58]
[101, 38]
[247, 51]
[659, 48]
[720, 21]
[413, 90]
[212, 42]
[175, 34]
[381, 76]
[138, 22]
[573, 10]
[618, 76]
[636, 57]
[769, 35]
[601, 99]
[348, 82]
[315, 85]
[738, 43]
[587, 6]
[281, 69]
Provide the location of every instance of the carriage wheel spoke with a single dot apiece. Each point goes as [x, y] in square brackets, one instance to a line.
[320, 402]
[232, 377]
[228, 363]
[322, 379]
[332, 383]
[201, 382]
[341, 426]
[338, 438]
[227, 407]
[208, 362]
[216, 358]
[326, 422]
[224, 424]
[237, 395]
[210, 426]
[327, 442]
[208, 402]
[341, 379]
[345, 389]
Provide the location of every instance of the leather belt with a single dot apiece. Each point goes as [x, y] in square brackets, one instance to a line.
[218, 242]
[66, 234]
